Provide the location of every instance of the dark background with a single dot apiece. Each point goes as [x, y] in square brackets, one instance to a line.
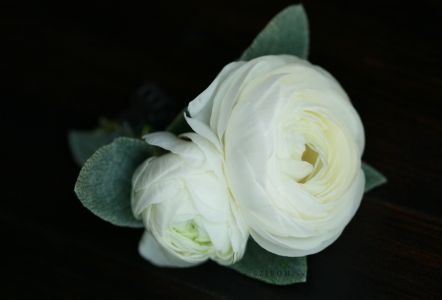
[65, 65]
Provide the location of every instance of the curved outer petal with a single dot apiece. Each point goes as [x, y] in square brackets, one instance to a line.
[295, 246]
[157, 255]
[200, 109]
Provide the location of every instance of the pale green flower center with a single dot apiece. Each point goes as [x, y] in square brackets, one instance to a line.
[192, 232]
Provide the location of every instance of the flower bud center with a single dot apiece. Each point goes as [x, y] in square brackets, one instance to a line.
[191, 231]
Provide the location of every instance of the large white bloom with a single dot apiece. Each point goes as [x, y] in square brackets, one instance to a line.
[185, 205]
[292, 145]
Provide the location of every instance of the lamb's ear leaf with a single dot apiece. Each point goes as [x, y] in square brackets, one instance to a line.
[373, 178]
[105, 181]
[262, 265]
[286, 33]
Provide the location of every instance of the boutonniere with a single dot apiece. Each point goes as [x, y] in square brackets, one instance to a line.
[260, 170]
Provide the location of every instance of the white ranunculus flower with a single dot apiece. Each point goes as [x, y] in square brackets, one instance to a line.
[292, 145]
[185, 205]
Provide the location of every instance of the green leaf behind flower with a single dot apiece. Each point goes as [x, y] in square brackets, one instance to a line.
[83, 143]
[260, 264]
[286, 33]
[179, 124]
[105, 181]
[373, 178]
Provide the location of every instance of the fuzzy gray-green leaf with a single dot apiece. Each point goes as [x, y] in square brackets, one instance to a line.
[262, 265]
[105, 181]
[373, 178]
[286, 33]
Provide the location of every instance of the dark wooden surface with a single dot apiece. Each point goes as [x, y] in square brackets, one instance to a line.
[65, 66]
